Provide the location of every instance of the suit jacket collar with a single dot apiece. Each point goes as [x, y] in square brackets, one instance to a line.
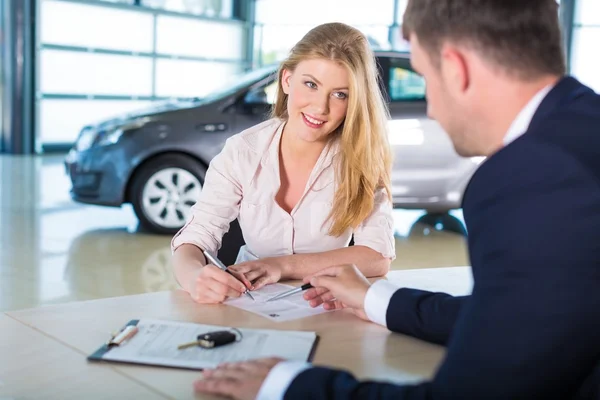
[566, 90]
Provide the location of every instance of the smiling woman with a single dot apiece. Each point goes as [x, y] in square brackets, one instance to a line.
[326, 144]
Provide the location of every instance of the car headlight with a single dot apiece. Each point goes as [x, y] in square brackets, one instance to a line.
[90, 137]
[86, 138]
[109, 137]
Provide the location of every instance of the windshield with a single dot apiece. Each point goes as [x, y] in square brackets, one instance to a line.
[240, 81]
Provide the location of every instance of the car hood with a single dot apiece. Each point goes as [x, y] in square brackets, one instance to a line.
[152, 112]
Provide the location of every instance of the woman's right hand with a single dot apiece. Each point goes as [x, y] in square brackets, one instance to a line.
[212, 285]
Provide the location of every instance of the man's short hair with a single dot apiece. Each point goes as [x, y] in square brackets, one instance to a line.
[522, 37]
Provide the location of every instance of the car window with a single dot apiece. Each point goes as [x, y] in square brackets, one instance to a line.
[406, 85]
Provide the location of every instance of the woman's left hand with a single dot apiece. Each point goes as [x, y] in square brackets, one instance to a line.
[261, 272]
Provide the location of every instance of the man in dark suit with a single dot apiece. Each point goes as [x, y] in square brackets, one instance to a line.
[531, 328]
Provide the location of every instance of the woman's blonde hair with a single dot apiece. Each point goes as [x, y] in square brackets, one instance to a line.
[365, 160]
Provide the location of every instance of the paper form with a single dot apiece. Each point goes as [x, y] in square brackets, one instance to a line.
[286, 309]
[156, 344]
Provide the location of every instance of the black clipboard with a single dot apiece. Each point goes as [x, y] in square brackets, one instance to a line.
[99, 355]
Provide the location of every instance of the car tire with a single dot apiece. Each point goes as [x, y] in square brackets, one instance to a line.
[442, 221]
[163, 191]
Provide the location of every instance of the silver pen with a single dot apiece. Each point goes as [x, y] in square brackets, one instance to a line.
[215, 261]
[290, 292]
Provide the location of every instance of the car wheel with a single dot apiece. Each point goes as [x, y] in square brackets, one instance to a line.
[164, 191]
[442, 221]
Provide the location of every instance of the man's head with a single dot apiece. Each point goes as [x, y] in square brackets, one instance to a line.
[477, 54]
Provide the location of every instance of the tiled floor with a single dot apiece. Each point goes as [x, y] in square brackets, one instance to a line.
[53, 250]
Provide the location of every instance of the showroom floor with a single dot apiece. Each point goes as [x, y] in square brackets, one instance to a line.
[53, 250]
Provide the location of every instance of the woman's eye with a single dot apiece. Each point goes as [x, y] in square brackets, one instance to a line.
[310, 84]
[341, 95]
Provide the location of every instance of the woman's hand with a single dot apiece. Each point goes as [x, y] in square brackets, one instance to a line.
[260, 272]
[212, 285]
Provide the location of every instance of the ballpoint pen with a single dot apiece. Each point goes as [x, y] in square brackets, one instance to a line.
[290, 292]
[215, 261]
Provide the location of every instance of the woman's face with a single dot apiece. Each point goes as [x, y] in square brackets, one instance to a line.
[318, 91]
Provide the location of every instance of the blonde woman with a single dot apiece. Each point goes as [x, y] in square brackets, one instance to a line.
[302, 183]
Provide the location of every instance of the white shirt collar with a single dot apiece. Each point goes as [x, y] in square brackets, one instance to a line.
[521, 123]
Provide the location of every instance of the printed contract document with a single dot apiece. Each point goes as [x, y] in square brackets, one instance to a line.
[156, 342]
[285, 309]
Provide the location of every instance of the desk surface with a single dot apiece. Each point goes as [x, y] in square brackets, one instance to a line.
[46, 347]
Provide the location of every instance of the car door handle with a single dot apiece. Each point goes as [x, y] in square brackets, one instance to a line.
[218, 127]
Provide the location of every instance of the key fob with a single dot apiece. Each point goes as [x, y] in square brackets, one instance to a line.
[215, 339]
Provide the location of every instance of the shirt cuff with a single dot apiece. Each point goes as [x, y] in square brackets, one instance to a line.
[280, 378]
[378, 299]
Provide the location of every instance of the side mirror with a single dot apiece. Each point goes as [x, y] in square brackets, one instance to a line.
[256, 96]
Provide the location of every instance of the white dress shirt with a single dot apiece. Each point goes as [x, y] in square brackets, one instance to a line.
[380, 293]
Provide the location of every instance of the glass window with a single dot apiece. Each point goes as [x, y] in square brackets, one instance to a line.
[61, 120]
[587, 12]
[199, 38]
[315, 12]
[406, 85]
[181, 78]
[401, 9]
[68, 72]
[273, 42]
[584, 61]
[84, 25]
[206, 8]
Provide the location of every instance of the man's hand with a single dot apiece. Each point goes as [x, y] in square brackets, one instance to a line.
[240, 381]
[339, 287]
[260, 272]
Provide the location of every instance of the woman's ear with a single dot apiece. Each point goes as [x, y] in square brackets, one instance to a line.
[286, 76]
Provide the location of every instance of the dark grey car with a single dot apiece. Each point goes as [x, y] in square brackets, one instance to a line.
[156, 159]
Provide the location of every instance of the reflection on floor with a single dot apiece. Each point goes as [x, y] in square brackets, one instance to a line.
[53, 250]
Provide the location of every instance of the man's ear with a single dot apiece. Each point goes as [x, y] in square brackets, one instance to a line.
[455, 69]
[285, 80]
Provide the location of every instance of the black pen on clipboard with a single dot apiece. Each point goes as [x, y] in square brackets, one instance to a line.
[215, 261]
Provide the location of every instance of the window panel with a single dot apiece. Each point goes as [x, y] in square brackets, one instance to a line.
[92, 26]
[378, 12]
[405, 85]
[180, 78]
[401, 9]
[276, 41]
[89, 73]
[587, 12]
[191, 37]
[585, 64]
[206, 8]
[61, 120]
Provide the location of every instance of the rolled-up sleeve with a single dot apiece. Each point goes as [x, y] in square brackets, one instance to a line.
[377, 230]
[218, 204]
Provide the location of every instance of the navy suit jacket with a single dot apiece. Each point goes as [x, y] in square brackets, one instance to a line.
[531, 327]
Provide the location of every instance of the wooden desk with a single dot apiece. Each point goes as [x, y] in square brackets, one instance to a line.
[70, 332]
[33, 365]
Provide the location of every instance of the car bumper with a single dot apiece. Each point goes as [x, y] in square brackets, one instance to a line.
[95, 179]
[433, 192]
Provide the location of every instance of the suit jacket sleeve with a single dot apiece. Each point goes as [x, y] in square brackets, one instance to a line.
[424, 315]
[530, 328]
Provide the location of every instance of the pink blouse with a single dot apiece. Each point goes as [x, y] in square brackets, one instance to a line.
[243, 180]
